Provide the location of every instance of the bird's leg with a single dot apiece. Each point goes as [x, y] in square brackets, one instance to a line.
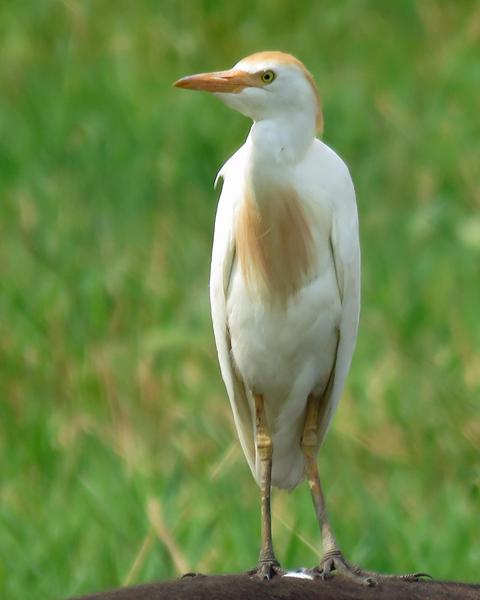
[332, 559]
[268, 565]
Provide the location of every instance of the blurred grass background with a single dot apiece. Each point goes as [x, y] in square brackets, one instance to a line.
[118, 458]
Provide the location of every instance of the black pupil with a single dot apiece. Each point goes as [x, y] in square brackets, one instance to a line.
[267, 76]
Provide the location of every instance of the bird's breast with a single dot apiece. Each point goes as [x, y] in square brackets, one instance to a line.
[274, 242]
[274, 345]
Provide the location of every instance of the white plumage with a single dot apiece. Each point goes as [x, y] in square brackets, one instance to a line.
[288, 351]
[282, 334]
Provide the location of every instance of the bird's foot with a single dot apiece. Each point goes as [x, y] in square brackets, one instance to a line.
[266, 569]
[334, 562]
[409, 577]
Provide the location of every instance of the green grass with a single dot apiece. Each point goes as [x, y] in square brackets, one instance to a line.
[115, 432]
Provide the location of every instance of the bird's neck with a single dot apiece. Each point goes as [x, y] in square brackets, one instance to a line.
[281, 140]
[275, 147]
[273, 237]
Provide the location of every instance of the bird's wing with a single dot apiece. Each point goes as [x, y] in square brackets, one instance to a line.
[345, 247]
[223, 259]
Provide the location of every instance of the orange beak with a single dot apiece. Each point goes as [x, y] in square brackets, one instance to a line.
[232, 81]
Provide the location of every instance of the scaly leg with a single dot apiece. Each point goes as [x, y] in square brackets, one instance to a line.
[332, 559]
[267, 565]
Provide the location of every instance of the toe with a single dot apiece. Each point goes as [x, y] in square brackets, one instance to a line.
[324, 570]
[266, 570]
[334, 563]
[415, 576]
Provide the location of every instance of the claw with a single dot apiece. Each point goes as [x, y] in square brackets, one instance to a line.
[414, 576]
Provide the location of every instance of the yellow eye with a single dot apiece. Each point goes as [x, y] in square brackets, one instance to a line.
[268, 76]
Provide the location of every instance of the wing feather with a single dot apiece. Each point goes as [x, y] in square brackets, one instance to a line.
[223, 261]
[345, 246]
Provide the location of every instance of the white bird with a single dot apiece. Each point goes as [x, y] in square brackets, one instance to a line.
[285, 283]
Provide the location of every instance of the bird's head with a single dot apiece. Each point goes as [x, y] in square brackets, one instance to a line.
[265, 85]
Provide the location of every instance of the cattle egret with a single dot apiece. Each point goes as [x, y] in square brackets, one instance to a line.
[284, 285]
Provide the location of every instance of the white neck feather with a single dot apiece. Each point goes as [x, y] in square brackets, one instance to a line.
[274, 147]
[281, 140]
